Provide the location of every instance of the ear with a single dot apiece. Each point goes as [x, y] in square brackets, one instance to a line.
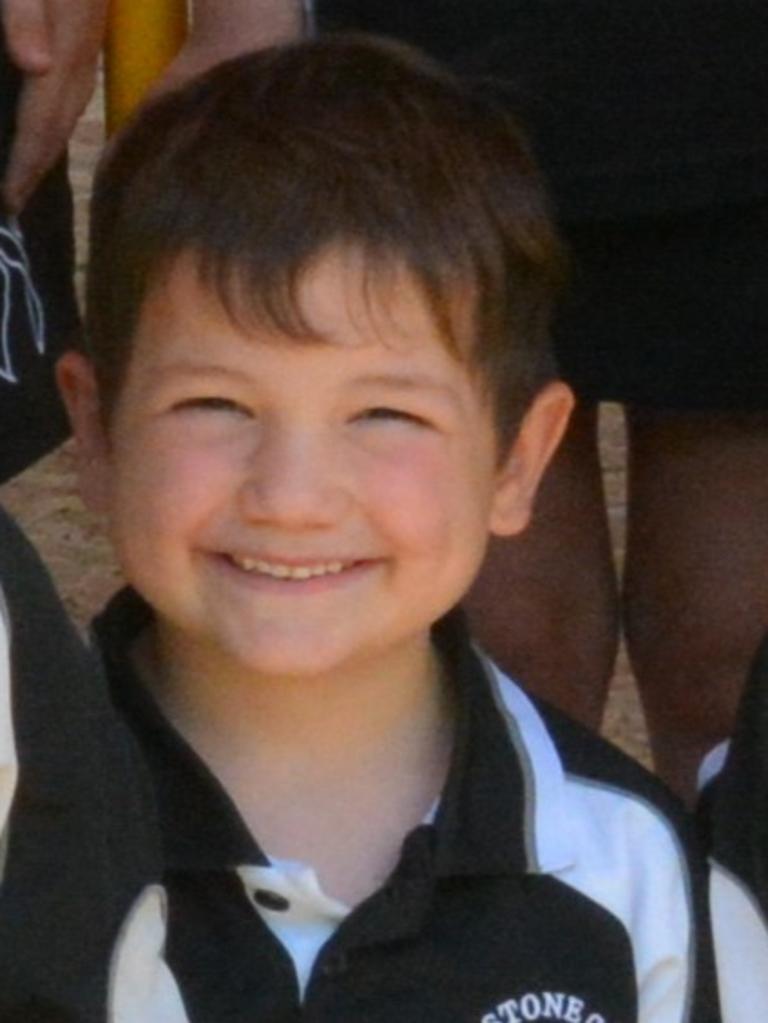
[537, 440]
[80, 393]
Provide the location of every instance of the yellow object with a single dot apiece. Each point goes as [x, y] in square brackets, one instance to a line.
[143, 36]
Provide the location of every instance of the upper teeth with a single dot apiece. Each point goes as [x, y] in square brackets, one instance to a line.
[279, 571]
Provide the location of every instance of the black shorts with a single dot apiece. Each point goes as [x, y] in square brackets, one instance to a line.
[669, 312]
[38, 311]
[648, 118]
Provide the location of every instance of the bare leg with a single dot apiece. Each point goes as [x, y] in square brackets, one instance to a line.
[545, 604]
[696, 574]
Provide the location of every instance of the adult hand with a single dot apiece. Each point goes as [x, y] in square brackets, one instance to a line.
[224, 28]
[55, 44]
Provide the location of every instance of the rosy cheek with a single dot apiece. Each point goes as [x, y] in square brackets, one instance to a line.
[166, 484]
[411, 497]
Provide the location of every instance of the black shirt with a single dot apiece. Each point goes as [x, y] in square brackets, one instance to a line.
[38, 310]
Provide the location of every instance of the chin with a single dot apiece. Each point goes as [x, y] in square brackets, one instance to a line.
[286, 663]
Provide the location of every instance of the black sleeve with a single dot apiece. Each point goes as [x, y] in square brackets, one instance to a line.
[78, 840]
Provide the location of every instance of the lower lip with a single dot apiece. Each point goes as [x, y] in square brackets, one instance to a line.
[297, 587]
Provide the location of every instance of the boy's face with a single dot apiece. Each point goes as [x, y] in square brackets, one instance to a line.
[294, 508]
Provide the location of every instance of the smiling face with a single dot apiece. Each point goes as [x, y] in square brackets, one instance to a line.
[295, 508]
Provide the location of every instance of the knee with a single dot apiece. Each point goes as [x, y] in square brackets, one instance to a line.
[690, 662]
[563, 652]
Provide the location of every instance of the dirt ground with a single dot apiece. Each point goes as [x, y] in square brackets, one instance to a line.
[44, 499]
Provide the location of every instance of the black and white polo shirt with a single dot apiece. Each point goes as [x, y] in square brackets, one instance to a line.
[737, 812]
[555, 882]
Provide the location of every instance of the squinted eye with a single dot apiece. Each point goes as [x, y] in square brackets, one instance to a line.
[386, 414]
[211, 403]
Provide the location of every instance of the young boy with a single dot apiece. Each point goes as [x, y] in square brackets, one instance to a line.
[317, 378]
[737, 819]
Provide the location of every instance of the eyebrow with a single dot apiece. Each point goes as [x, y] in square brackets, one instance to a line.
[406, 382]
[196, 369]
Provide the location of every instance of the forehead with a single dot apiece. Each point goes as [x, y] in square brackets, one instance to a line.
[342, 298]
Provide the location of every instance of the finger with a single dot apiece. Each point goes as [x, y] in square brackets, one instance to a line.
[28, 35]
[45, 118]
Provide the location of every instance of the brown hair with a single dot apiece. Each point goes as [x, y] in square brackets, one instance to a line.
[262, 163]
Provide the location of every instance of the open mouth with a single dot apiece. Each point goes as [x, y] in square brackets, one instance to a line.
[295, 572]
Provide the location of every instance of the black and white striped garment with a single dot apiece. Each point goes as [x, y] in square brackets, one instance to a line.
[555, 881]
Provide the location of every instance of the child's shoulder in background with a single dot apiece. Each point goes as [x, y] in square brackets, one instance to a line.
[735, 819]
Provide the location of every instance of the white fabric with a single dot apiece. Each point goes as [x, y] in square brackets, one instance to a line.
[620, 852]
[628, 860]
[712, 764]
[311, 916]
[142, 988]
[741, 950]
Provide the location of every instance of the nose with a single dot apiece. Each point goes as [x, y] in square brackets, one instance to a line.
[294, 481]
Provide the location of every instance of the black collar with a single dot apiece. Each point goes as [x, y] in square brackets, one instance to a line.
[201, 828]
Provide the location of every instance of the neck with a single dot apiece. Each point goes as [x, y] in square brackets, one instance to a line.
[306, 759]
[358, 713]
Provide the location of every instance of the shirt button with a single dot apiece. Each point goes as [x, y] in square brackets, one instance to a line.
[271, 900]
